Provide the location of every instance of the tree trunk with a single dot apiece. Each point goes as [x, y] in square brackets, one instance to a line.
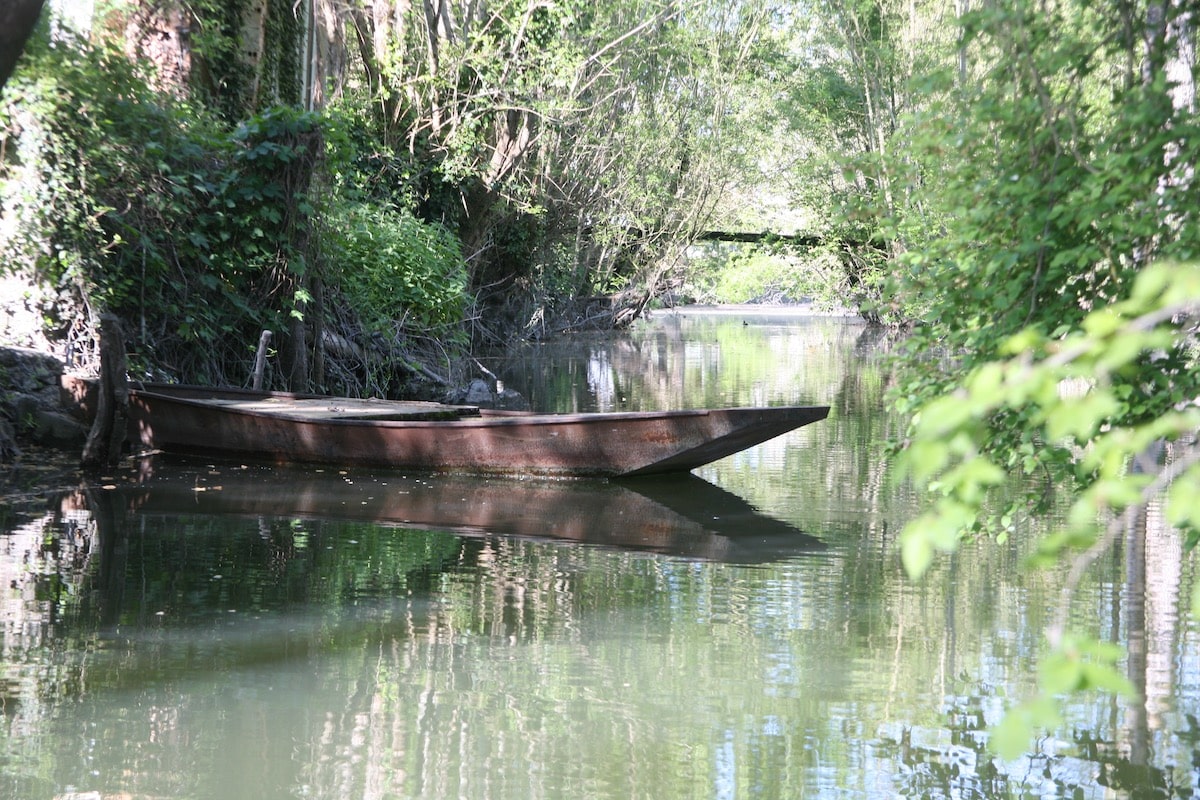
[295, 356]
[254, 43]
[104, 442]
[318, 334]
[17, 21]
[107, 582]
[260, 360]
[962, 8]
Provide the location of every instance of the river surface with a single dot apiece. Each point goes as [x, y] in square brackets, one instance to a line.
[195, 629]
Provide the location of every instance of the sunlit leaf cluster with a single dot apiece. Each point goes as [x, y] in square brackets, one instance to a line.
[1081, 392]
[1075, 391]
[1049, 237]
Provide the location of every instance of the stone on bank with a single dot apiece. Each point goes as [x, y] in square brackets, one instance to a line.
[31, 408]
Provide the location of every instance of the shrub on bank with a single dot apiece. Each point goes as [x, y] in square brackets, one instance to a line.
[197, 235]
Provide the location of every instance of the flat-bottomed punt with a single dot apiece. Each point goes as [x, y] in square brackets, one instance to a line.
[282, 427]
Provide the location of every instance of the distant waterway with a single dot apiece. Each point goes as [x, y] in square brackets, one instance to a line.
[205, 629]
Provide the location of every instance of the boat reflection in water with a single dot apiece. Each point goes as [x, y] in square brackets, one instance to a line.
[680, 515]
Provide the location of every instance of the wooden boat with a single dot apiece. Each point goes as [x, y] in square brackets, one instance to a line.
[281, 427]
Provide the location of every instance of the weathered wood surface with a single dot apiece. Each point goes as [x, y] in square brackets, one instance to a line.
[260, 359]
[333, 408]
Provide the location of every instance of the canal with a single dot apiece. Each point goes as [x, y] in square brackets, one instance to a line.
[203, 629]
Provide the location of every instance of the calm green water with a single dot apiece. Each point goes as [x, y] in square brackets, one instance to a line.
[197, 630]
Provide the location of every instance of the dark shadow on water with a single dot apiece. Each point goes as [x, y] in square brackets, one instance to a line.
[679, 516]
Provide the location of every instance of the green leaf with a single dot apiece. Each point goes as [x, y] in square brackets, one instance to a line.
[916, 550]
[1120, 492]
[1062, 673]
[943, 416]
[939, 530]
[1183, 500]
[1106, 678]
[1102, 323]
[1026, 340]
[974, 477]
[984, 384]
[1013, 735]
[1082, 664]
[1079, 419]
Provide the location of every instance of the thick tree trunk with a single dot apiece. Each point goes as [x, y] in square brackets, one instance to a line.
[104, 443]
[17, 20]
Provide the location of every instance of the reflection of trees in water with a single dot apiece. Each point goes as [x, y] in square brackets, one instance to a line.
[539, 665]
[1138, 747]
[1146, 619]
[693, 362]
[42, 566]
[526, 652]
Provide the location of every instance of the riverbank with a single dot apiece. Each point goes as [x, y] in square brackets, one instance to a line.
[32, 411]
[41, 435]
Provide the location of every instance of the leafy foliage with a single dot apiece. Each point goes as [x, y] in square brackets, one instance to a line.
[197, 234]
[1115, 419]
[1051, 253]
[408, 272]
[764, 274]
[1054, 181]
[246, 55]
[1106, 424]
[169, 220]
[584, 143]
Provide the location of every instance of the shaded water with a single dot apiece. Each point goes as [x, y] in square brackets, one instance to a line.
[197, 630]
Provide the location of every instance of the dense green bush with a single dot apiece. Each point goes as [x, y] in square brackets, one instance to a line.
[196, 234]
[1056, 186]
[146, 208]
[69, 125]
[406, 272]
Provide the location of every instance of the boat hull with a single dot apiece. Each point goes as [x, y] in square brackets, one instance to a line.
[184, 419]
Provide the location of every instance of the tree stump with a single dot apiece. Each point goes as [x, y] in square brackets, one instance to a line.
[107, 437]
